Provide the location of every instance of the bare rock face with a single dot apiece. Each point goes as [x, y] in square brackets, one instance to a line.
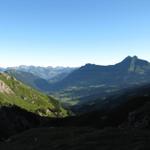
[5, 88]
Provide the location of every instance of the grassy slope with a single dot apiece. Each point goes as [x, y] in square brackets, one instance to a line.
[30, 99]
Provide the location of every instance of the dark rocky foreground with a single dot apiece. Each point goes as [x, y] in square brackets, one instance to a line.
[14, 120]
[79, 139]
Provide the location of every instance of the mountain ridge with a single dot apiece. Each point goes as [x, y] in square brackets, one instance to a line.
[92, 79]
[43, 72]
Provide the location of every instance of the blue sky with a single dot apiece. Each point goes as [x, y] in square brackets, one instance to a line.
[73, 32]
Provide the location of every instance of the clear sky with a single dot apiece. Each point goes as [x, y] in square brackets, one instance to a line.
[73, 32]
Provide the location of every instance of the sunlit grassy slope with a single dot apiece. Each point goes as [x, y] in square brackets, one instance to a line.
[16, 93]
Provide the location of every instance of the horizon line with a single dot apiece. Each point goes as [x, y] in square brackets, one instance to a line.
[64, 66]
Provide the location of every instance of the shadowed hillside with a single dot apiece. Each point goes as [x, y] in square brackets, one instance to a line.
[118, 125]
[79, 139]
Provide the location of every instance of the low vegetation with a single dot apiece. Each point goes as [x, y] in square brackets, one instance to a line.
[29, 99]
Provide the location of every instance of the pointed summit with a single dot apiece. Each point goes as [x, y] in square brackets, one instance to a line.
[135, 57]
[130, 58]
[134, 64]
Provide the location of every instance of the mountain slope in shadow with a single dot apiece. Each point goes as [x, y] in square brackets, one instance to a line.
[125, 126]
[30, 79]
[79, 139]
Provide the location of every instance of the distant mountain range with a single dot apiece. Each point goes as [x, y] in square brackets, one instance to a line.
[46, 73]
[78, 85]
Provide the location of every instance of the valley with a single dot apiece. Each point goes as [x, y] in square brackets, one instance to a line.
[100, 107]
[87, 82]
